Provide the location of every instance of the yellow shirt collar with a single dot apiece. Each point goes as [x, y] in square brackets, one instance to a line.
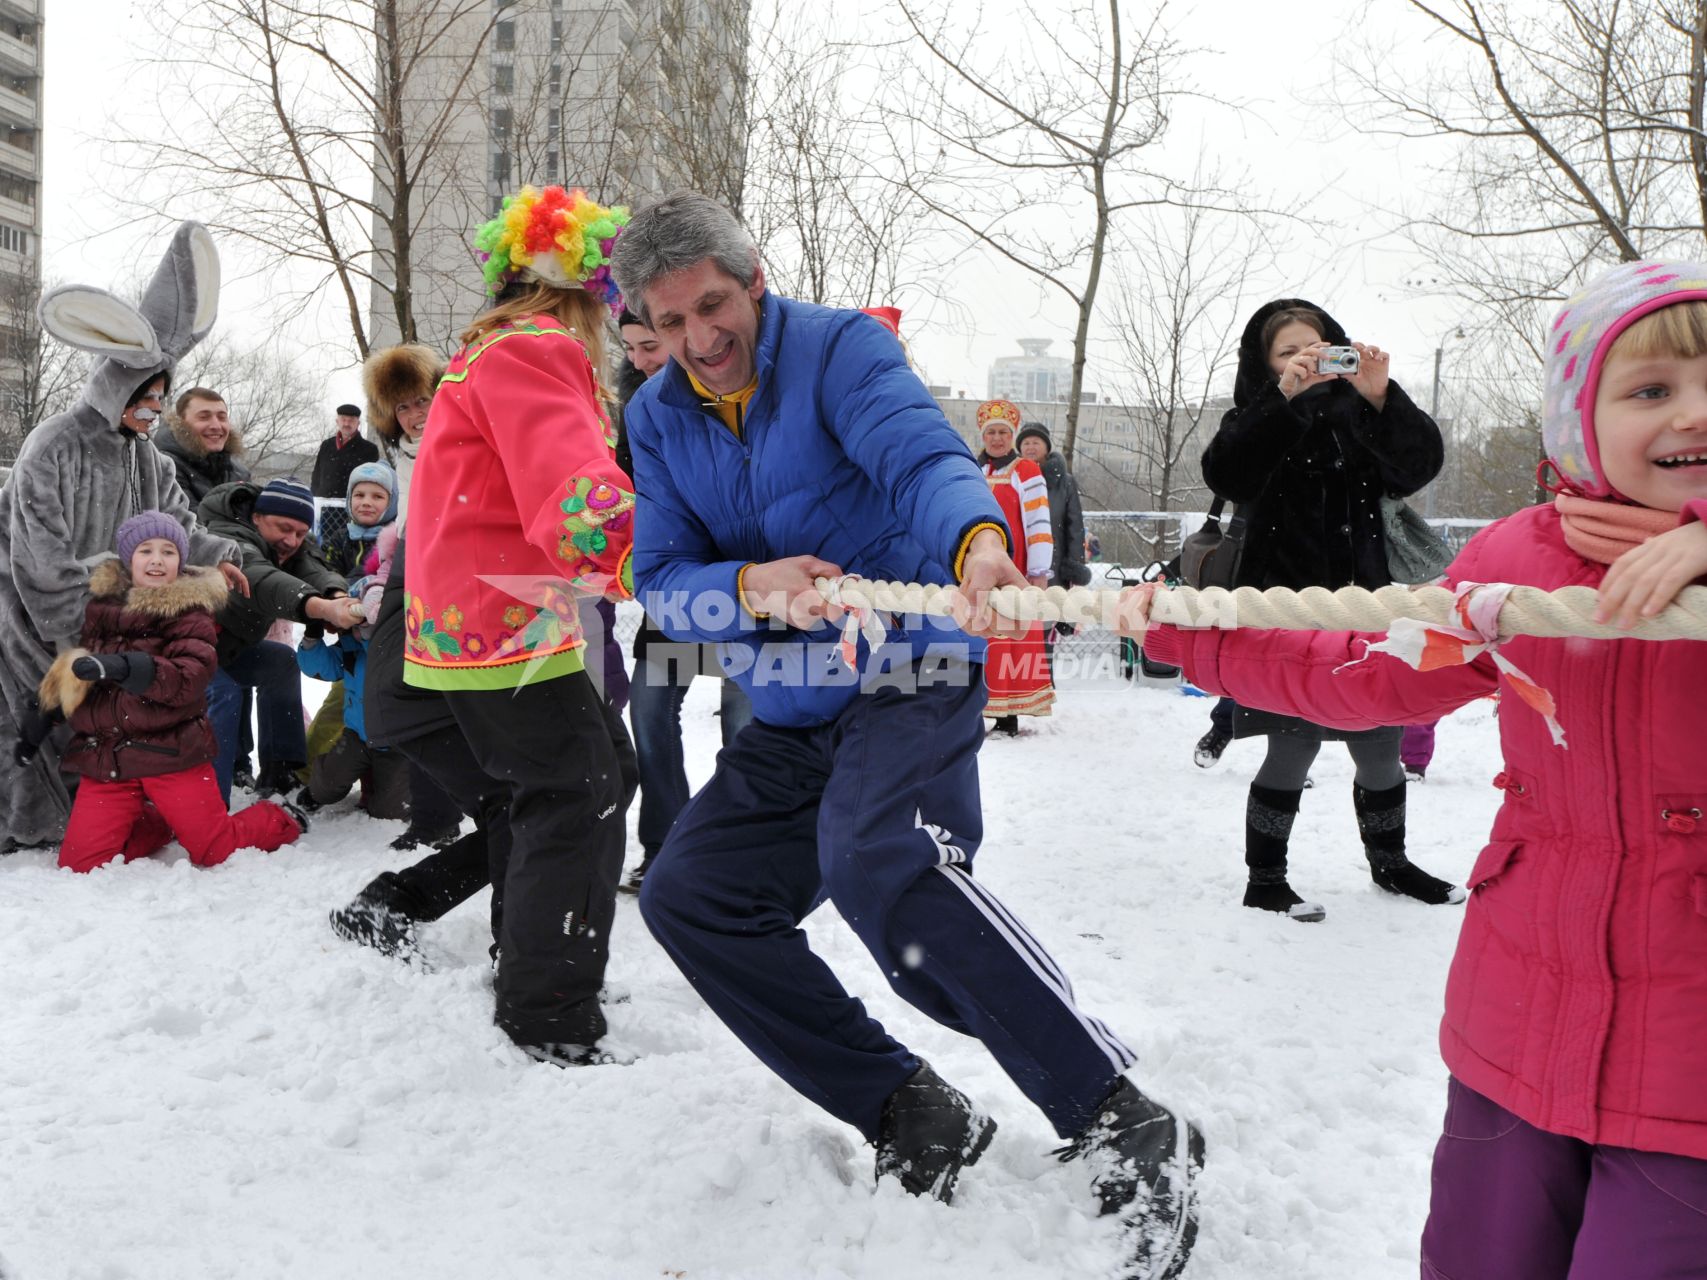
[711, 397]
[732, 408]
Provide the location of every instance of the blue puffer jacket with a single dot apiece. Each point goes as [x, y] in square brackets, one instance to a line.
[844, 456]
[346, 660]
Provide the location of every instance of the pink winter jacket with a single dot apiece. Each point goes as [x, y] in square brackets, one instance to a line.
[1577, 997]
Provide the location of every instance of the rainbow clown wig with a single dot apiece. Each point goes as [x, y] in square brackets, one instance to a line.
[557, 237]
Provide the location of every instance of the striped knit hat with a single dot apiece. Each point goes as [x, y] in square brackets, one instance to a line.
[1582, 334]
[289, 498]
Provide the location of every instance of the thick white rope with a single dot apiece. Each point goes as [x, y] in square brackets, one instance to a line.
[1529, 611]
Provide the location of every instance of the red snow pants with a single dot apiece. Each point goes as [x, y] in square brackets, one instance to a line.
[135, 818]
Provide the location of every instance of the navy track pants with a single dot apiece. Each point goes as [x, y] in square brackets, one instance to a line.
[878, 812]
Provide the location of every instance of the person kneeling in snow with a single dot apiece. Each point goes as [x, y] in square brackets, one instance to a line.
[135, 693]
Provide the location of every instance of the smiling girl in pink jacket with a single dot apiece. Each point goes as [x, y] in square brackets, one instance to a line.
[1575, 1142]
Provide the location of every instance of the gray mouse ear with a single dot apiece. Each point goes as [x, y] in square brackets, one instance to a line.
[182, 301]
[95, 321]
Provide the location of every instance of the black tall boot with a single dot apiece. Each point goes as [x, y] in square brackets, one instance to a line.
[1268, 829]
[1381, 823]
[928, 1132]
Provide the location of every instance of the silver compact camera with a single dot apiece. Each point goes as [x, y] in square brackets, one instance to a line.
[1337, 360]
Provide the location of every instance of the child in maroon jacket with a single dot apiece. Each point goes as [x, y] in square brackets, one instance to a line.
[136, 696]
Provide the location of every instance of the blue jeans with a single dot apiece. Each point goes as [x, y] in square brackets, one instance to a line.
[879, 812]
[655, 711]
[270, 669]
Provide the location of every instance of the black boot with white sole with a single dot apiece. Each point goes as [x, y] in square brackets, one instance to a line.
[1144, 1163]
[1381, 823]
[1269, 814]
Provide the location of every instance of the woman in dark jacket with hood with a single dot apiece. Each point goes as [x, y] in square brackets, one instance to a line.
[1309, 456]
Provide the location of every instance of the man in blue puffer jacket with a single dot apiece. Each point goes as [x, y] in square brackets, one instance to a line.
[785, 442]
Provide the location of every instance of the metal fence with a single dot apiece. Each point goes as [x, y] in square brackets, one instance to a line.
[1130, 542]
[331, 518]
[1139, 538]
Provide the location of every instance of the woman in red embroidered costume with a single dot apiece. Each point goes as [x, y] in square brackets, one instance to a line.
[519, 510]
[1017, 669]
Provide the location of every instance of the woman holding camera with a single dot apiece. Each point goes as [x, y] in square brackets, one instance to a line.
[1317, 436]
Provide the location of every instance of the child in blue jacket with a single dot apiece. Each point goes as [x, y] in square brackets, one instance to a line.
[343, 658]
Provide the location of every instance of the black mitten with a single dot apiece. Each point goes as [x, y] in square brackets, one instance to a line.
[132, 672]
[32, 732]
[102, 666]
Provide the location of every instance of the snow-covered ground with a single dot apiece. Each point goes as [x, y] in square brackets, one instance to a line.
[198, 1080]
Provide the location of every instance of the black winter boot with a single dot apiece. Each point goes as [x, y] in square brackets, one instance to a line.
[297, 813]
[928, 1133]
[1268, 830]
[1145, 1162]
[1209, 747]
[1381, 823]
[379, 918]
[579, 1055]
[414, 837]
[637, 877]
[278, 778]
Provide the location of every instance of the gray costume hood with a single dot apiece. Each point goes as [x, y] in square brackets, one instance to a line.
[134, 343]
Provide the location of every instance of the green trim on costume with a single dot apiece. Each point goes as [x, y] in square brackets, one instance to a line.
[469, 356]
[509, 675]
[625, 572]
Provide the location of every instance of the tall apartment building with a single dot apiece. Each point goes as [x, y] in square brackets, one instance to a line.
[21, 25]
[1033, 375]
[627, 98]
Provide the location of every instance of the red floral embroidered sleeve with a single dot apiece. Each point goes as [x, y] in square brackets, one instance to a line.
[535, 393]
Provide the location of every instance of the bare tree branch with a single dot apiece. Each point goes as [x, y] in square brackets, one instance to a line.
[1050, 127]
[307, 126]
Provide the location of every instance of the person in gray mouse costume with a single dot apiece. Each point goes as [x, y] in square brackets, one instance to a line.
[79, 476]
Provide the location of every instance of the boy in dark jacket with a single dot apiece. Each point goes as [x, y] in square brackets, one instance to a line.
[289, 581]
[205, 449]
[135, 693]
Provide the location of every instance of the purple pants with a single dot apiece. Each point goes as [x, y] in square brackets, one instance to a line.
[1513, 1202]
[1416, 748]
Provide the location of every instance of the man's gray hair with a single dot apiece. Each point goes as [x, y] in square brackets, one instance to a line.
[680, 231]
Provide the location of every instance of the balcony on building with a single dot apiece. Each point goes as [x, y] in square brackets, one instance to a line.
[18, 57]
[21, 10]
[18, 100]
[17, 211]
[18, 153]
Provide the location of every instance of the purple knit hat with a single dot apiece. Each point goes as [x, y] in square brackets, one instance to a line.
[1582, 334]
[150, 524]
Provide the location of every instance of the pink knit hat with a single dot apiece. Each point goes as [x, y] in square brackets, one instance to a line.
[1582, 333]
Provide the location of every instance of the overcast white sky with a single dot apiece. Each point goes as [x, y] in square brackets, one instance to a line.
[1273, 57]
